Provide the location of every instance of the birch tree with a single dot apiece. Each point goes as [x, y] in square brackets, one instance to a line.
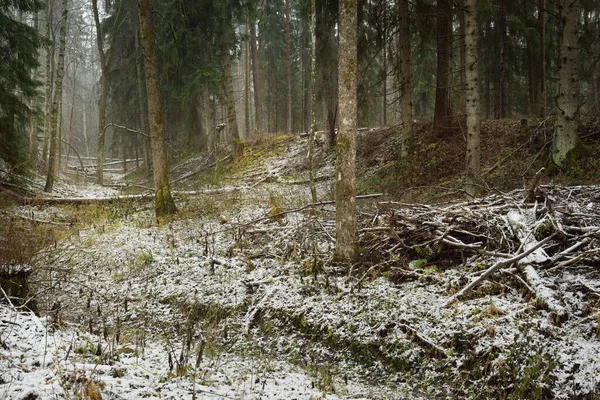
[345, 172]
[58, 86]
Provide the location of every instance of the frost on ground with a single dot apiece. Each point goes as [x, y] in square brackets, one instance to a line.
[227, 302]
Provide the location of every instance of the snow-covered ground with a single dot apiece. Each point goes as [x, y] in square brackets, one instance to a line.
[224, 303]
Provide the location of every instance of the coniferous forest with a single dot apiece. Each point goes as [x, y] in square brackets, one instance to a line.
[299, 199]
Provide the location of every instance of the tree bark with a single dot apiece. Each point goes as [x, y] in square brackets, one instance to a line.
[256, 80]
[313, 102]
[346, 246]
[472, 99]
[164, 204]
[33, 129]
[54, 122]
[462, 59]
[542, 15]
[105, 63]
[227, 81]
[444, 42]
[503, 111]
[143, 112]
[288, 64]
[405, 78]
[49, 81]
[566, 137]
[383, 4]
[247, 81]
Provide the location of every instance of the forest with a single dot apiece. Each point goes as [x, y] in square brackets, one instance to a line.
[299, 199]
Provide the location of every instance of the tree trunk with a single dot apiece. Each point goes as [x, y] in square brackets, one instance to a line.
[313, 102]
[227, 81]
[33, 129]
[444, 42]
[472, 98]
[54, 124]
[567, 101]
[503, 111]
[383, 4]
[105, 62]
[462, 59]
[256, 80]
[49, 81]
[288, 65]
[164, 204]
[346, 246]
[143, 115]
[542, 14]
[405, 78]
[247, 82]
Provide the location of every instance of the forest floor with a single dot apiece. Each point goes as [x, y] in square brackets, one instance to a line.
[237, 296]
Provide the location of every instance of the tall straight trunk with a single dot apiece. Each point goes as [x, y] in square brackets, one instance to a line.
[71, 114]
[49, 81]
[33, 142]
[247, 82]
[442, 110]
[566, 137]
[227, 82]
[288, 64]
[85, 133]
[256, 79]
[405, 78]
[542, 14]
[462, 59]
[346, 246]
[164, 204]
[472, 99]
[383, 3]
[105, 62]
[141, 105]
[313, 102]
[503, 111]
[59, 137]
[54, 122]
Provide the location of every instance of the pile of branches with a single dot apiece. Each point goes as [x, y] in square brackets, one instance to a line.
[558, 228]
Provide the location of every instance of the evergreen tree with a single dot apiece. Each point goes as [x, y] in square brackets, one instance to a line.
[19, 44]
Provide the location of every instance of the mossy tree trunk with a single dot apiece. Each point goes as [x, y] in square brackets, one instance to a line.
[346, 246]
[58, 89]
[472, 98]
[164, 204]
[142, 105]
[566, 138]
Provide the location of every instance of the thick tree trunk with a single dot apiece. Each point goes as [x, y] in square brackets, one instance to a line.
[54, 124]
[472, 98]
[288, 65]
[256, 80]
[503, 110]
[566, 137]
[346, 246]
[383, 4]
[542, 14]
[164, 204]
[405, 78]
